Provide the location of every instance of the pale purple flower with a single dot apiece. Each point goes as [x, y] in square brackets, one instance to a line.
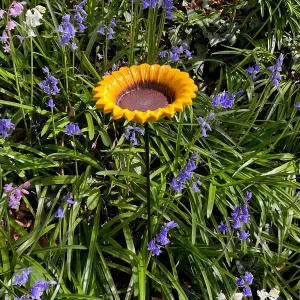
[49, 84]
[163, 54]
[20, 38]
[6, 48]
[205, 126]
[244, 235]
[72, 129]
[67, 30]
[275, 71]
[102, 31]
[23, 277]
[60, 213]
[248, 196]
[253, 70]
[50, 103]
[223, 228]
[4, 38]
[80, 16]
[154, 248]
[240, 215]
[248, 277]
[173, 56]
[239, 282]
[247, 292]
[16, 8]
[177, 49]
[298, 105]
[2, 12]
[131, 133]
[225, 99]
[39, 287]
[73, 46]
[5, 127]
[211, 116]
[168, 5]
[10, 25]
[69, 198]
[188, 53]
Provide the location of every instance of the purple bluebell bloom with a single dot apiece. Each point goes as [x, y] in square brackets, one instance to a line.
[253, 70]
[16, 8]
[244, 235]
[225, 99]
[177, 49]
[275, 71]
[176, 185]
[10, 25]
[187, 53]
[211, 116]
[247, 292]
[5, 126]
[248, 277]
[39, 287]
[73, 46]
[14, 194]
[223, 228]
[163, 54]
[161, 239]
[50, 103]
[205, 126]
[50, 83]
[131, 133]
[80, 16]
[69, 198]
[168, 5]
[67, 30]
[173, 56]
[72, 129]
[154, 248]
[23, 277]
[60, 213]
[248, 196]
[239, 282]
[4, 38]
[298, 105]
[101, 31]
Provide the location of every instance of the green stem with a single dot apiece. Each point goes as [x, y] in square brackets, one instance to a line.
[53, 126]
[31, 87]
[76, 167]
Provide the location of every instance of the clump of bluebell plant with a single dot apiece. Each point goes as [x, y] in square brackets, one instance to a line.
[225, 99]
[131, 133]
[166, 4]
[109, 30]
[5, 127]
[187, 175]
[161, 239]
[244, 282]
[72, 129]
[15, 193]
[204, 126]
[253, 70]
[69, 198]
[176, 53]
[275, 71]
[239, 217]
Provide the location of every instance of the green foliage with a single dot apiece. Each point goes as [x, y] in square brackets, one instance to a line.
[99, 250]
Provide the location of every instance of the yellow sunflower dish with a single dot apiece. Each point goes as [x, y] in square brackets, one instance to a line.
[144, 93]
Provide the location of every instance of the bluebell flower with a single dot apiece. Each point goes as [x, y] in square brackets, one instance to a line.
[298, 105]
[275, 71]
[240, 215]
[173, 56]
[73, 46]
[248, 196]
[211, 116]
[101, 31]
[248, 277]
[72, 129]
[50, 103]
[60, 213]
[23, 277]
[49, 84]
[225, 99]
[67, 30]
[163, 54]
[187, 53]
[5, 126]
[69, 198]
[131, 133]
[253, 70]
[80, 16]
[154, 248]
[244, 235]
[149, 3]
[247, 292]
[177, 49]
[168, 5]
[39, 287]
[223, 228]
[239, 282]
[177, 183]
[161, 239]
[205, 126]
